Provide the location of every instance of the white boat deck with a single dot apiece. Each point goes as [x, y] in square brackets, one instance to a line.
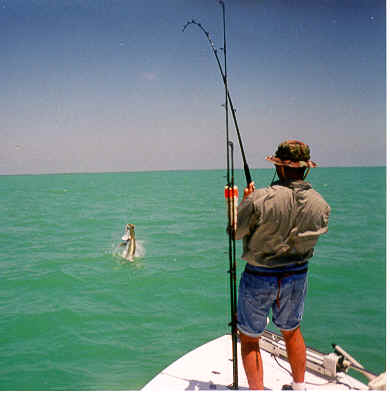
[209, 367]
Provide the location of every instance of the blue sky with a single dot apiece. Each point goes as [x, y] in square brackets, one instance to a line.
[115, 85]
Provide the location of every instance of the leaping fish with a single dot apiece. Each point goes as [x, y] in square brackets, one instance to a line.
[129, 241]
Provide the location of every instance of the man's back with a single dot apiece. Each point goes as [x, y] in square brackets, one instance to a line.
[281, 224]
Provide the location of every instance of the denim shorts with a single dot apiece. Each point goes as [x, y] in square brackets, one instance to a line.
[259, 294]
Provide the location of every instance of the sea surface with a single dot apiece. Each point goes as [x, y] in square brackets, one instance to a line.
[75, 315]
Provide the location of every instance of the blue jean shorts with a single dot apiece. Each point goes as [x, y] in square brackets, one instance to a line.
[259, 294]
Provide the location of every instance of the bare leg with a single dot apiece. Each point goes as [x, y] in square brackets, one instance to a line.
[296, 351]
[253, 364]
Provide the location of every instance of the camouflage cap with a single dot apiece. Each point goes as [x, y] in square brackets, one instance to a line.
[292, 153]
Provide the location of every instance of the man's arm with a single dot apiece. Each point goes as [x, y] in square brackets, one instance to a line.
[245, 213]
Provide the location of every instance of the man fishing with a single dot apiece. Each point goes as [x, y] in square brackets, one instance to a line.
[279, 226]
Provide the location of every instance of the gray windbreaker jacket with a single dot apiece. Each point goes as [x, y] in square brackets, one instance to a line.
[281, 224]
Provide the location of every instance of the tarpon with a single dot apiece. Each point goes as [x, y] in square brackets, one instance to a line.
[129, 241]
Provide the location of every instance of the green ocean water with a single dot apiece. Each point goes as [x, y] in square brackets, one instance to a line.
[77, 316]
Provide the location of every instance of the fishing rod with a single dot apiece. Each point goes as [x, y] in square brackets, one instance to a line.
[232, 200]
[224, 78]
[226, 99]
[231, 193]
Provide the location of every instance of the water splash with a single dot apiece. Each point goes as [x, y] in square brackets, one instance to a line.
[119, 251]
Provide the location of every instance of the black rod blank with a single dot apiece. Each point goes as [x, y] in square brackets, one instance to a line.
[246, 167]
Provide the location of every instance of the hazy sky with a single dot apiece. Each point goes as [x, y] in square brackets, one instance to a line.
[115, 85]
